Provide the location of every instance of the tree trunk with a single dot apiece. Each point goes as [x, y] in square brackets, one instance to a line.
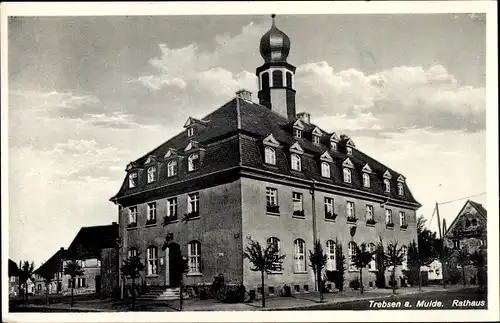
[26, 293]
[361, 280]
[180, 296]
[444, 274]
[320, 284]
[393, 278]
[72, 292]
[47, 294]
[262, 290]
[463, 275]
[419, 278]
[133, 294]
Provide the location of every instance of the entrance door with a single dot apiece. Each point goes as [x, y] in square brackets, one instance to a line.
[98, 284]
[174, 264]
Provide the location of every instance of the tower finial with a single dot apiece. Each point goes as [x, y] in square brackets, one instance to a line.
[272, 16]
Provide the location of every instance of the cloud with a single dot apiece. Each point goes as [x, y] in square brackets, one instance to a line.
[394, 99]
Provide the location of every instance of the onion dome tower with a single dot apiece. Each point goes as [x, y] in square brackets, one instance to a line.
[276, 76]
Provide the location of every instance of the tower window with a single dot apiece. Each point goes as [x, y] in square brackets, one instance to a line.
[190, 132]
[316, 140]
[277, 79]
[289, 80]
[265, 81]
[296, 162]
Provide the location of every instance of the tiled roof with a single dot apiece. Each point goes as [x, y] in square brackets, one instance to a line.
[90, 240]
[243, 125]
[55, 261]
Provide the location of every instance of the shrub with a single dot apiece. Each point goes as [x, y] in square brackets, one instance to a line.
[354, 284]
[395, 282]
[453, 275]
[231, 293]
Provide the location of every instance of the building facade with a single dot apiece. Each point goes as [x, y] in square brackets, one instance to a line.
[259, 171]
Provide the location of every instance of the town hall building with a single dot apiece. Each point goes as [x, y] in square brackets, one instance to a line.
[260, 171]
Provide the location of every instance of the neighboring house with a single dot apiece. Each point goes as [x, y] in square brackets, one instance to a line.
[434, 270]
[56, 262]
[89, 247]
[259, 171]
[13, 278]
[468, 231]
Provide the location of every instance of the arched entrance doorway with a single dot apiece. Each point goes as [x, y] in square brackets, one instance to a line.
[173, 266]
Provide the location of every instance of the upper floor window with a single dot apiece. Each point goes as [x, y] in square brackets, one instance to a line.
[388, 216]
[296, 162]
[151, 217]
[193, 162]
[366, 180]
[132, 252]
[272, 200]
[467, 223]
[347, 175]
[329, 208]
[298, 207]
[369, 213]
[315, 139]
[352, 254]
[402, 219]
[193, 203]
[190, 131]
[474, 222]
[299, 255]
[132, 216]
[387, 185]
[172, 208]
[151, 174]
[132, 179]
[350, 210]
[194, 256]
[297, 133]
[152, 261]
[401, 190]
[269, 156]
[172, 168]
[325, 169]
[330, 255]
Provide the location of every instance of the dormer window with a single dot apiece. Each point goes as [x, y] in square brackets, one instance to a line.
[387, 185]
[172, 168]
[151, 174]
[333, 145]
[190, 132]
[132, 180]
[325, 169]
[347, 175]
[193, 162]
[269, 156]
[315, 140]
[296, 162]
[349, 150]
[297, 133]
[401, 190]
[366, 180]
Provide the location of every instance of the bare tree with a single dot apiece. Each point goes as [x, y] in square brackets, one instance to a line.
[132, 266]
[394, 257]
[362, 258]
[317, 259]
[73, 269]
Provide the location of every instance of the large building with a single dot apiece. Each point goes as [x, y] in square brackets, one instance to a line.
[260, 171]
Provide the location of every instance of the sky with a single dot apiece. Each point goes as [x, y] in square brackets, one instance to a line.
[87, 95]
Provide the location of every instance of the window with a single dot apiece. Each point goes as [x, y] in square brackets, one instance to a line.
[152, 261]
[387, 185]
[289, 79]
[388, 217]
[275, 242]
[272, 200]
[456, 244]
[271, 290]
[82, 263]
[350, 210]
[349, 150]
[151, 217]
[194, 254]
[298, 208]
[277, 79]
[333, 145]
[269, 156]
[172, 168]
[132, 180]
[300, 255]
[347, 175]
[467, 223]
[401, 190]
[366, 180]
[265, 80]
[369, 213]
[316, 139]
[352, 254]
[296, 162]
[371, 248]
[402, 220]
[474, 222]
[297, 133]
[172, 208]
[190, 131]
[330, 255]
[306, 288]
[193, 162]
[193, 203]
[132, 216]
[404, 265]
[325, 169]
[151, 174]
[329, 208]
[132, 252]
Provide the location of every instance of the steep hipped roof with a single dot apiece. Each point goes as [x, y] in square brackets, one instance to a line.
[90, 240]
[54, 262]
[13, 269]
[233, 137]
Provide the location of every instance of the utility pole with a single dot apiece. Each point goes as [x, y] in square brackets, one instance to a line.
[312, 191]
[439, 221]
[442, 251]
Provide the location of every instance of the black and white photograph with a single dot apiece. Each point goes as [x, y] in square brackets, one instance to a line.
[325, 162]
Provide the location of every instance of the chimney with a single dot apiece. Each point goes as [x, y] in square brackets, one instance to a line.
[62, 248]
[305, 117]
[114, 223]
[244, 94]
